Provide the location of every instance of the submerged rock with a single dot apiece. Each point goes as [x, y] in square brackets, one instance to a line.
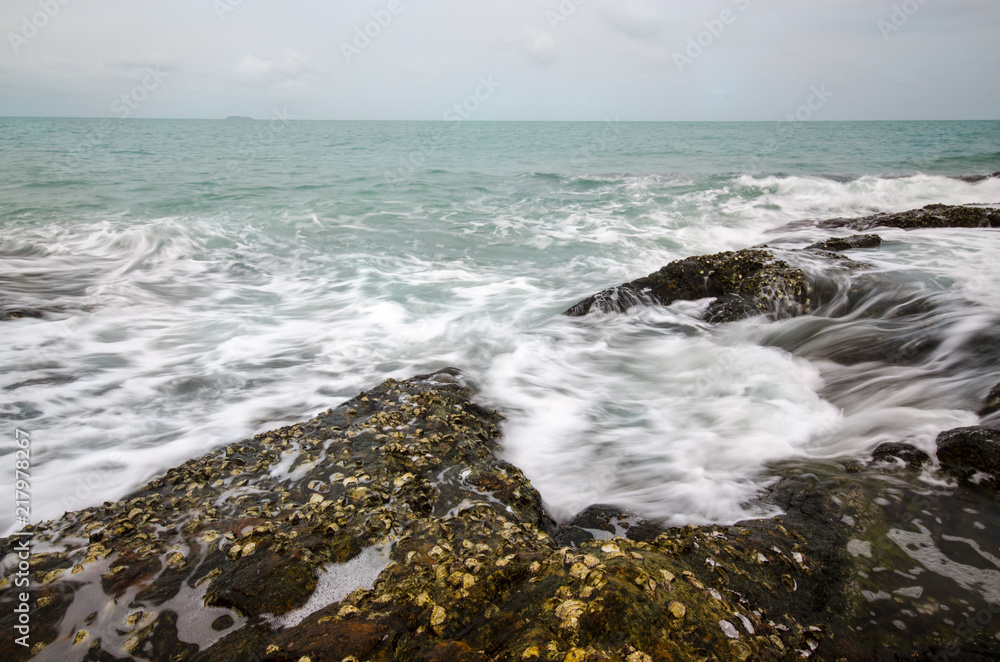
[931, 216]
[991, 404]
[19, 313]
[894, 565]
[837, 244]
[974, 179]
[897, 450]
[745, 283]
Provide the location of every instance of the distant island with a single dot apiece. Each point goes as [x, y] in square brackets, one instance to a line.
[238, 117]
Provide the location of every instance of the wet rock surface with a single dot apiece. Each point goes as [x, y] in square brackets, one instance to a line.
[893, 451]
[601, 521]
[816, 284]
[974, 179]
[386, 529]
[903, 566]
[931, 216]
[744, 283]
[837, 244]
[246, 533]
[971, 454]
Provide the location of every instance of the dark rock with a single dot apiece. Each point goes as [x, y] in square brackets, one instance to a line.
[267, 583]
[745, 283]
[333, 640]
[247, 533]
[7, 314]
[837, 244]
[854, 531]
[966, 452]
[611, 521]
[991, 404]
[574, 536]
[161, 640]
[253, 526]
[223, 623]
[897, 450]
[974, 179]
[931, 216]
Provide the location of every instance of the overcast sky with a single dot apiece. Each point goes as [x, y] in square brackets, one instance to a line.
[526, 59]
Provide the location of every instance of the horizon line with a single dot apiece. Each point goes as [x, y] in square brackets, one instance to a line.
[236, 118]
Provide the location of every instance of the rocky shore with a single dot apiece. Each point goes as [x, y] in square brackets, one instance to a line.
[388, 529]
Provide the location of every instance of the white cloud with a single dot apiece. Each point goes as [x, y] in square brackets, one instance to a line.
[291, 71]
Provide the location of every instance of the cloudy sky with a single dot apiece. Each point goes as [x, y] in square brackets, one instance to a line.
[525, 59]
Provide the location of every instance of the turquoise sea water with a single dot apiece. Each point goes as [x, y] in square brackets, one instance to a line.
[206, 280]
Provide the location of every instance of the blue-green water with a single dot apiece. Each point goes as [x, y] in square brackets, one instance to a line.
[205, 280]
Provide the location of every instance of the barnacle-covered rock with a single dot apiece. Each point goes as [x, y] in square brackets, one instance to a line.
[386, 529]
[745, 283]
[931, 216]
[246, 536]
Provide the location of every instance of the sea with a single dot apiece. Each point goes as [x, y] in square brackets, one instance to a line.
[202, 281]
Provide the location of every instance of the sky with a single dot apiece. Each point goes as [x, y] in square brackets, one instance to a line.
[593, 60]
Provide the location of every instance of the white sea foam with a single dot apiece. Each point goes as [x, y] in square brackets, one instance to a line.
[797, 198]
[169, 336]
[615, 410]
[337, 581]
